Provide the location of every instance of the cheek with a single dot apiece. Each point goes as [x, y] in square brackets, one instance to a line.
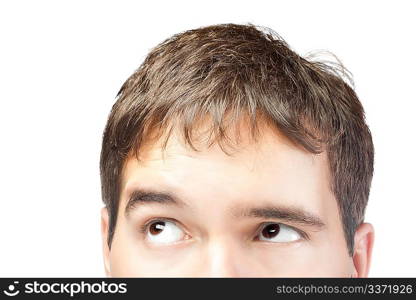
[124, 256]
[129, 257]
[305, 262]
[130, 260]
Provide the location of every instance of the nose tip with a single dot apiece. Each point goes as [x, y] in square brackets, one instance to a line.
[223, 260]
[222, 268]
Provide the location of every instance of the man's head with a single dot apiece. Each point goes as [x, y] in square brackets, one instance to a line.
[227, 154]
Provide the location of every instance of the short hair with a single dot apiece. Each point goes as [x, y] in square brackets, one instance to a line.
[234, 69]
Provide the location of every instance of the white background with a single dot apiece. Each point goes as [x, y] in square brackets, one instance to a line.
[62, 63]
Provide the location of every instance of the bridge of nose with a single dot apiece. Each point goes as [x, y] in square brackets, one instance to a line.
[223, 256]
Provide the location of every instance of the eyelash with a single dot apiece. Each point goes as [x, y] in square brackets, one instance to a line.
[144, 227]
[302, 233]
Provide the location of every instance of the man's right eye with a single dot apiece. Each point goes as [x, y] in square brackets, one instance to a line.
[164, 232]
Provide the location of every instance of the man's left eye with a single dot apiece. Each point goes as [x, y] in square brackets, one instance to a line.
[278, 233]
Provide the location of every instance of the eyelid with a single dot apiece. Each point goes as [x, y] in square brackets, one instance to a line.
[302, 233]
[143, 228]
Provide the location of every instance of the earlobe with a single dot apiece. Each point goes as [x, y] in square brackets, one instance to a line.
[363, 247]
[104, 236]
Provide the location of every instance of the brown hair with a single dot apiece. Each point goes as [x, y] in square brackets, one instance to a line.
[215, 70]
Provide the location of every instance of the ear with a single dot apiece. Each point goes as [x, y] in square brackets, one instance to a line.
[104, 235]
[363, 247]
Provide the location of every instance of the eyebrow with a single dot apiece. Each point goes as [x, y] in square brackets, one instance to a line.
[284, 213]
[289, 214]
[143, 196]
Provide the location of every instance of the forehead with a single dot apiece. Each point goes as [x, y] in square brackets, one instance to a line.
[272, 169]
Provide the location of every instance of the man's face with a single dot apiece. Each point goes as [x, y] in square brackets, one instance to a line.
[265, 211]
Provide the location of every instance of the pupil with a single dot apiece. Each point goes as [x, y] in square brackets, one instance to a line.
[157, 227]
[271, 230]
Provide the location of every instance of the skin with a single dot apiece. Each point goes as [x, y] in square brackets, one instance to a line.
[210, 237]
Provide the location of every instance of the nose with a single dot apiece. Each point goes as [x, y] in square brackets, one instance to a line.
[224, 259]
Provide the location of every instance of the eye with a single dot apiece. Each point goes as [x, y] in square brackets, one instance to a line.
[278, 233]
[164, 232]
